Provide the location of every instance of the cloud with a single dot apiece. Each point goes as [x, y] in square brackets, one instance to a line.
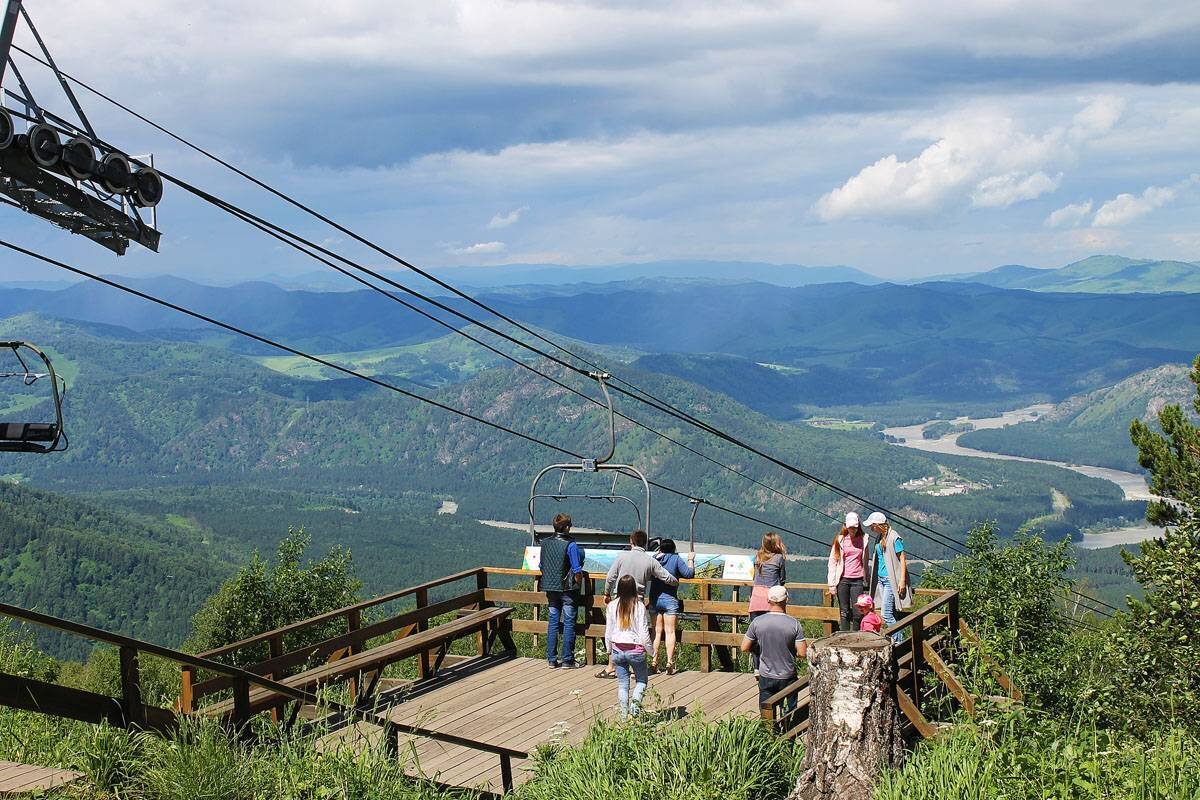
[980, 154]
[478, 249]
[1125, 207]
[1001, 191]
[1069, 216]
[504, 220]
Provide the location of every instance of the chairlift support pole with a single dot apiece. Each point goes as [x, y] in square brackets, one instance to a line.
[7, 29]
[696, 503]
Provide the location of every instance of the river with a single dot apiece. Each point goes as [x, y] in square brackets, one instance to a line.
[1133, 485]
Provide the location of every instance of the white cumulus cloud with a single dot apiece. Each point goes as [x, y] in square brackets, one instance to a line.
[1126, 207]
[504, 220]
[1069, 216]
[979, 154]
[478, 249]
[1001, 191]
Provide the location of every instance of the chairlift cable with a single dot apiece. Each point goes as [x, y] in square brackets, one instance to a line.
[641, 395]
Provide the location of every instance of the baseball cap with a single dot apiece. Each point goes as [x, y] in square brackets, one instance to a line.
[864, 600]
[777, 594]
[877, 518]
[851, 520]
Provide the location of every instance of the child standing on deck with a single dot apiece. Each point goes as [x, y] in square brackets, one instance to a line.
[627, 638]
[870, 620]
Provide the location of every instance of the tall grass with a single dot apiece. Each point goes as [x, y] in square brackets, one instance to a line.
[734, 759]
[1020, 762]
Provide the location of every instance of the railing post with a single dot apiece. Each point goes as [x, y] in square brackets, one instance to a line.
[353, 623]
[918, 656]
[506, 778]
[187, 698]
[737, 598]
[275, 647]
[952, 620]
[831, 626]
[588, 598]
[241, 705]
[481, 585]
[705, 625]
[422, 625]
[131, 689]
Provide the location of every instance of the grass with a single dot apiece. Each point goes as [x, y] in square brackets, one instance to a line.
[1024, 760]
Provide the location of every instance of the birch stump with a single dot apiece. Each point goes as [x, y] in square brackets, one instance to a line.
[854, 722]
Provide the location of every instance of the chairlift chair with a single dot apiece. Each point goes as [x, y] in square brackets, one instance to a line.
[34, 437]
[594, 465]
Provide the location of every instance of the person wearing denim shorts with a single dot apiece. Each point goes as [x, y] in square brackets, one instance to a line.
[664, 600]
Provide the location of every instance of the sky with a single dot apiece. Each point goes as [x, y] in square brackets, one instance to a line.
[904, 138]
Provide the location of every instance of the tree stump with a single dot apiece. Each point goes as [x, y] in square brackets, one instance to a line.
[854, 721]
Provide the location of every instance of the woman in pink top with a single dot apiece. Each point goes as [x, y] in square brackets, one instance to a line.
[847, 571]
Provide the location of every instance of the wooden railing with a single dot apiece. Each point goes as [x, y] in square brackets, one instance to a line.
[130, 711]
[719, 619]
[929, 631]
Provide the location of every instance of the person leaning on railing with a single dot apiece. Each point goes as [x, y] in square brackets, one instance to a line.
[562, 578]
[779, 638]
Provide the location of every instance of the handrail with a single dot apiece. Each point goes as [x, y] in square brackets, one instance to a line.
[329, 616]
[600, 576]
[200, 662]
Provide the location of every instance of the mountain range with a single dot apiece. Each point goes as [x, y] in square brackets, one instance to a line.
[1097, 274]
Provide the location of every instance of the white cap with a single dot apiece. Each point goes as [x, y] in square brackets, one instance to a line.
[777, 594]
[851, 520]
[876, 518]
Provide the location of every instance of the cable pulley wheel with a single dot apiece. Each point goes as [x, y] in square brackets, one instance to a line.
[45, 147]
[79, 158]
[147, 187]
[116, 175]
[7, 129]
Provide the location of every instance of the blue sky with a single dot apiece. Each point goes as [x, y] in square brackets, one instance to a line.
[906, 139]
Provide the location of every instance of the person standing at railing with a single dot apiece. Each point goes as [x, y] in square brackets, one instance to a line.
[779, 638]
[847, 571]
[635, 563]
[627, 637]
[890, 586]
[562, 580]
[664, 600]
[770, 569]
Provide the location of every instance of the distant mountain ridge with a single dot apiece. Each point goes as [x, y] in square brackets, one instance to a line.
[1096, 274]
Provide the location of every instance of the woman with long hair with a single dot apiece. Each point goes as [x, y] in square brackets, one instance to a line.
[770, 569]
[664, 600]
[627, 637]
[848, 570]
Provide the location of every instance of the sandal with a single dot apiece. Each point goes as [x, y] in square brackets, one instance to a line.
[605, 674]
[670, 667]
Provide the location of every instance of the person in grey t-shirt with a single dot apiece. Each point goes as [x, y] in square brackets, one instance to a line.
[780, 640]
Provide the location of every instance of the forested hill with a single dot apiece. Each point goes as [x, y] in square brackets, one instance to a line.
[146, 413]
[1093, 428]
[75, 559]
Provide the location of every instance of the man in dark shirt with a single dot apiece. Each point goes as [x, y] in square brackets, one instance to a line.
[780, 642]
[562, 578]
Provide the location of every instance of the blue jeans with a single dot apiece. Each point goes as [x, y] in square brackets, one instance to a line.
[624, 661]
[562, 614]
[889, 607]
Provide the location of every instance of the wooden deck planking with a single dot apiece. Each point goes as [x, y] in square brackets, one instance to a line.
[523, 703]
[24, 778]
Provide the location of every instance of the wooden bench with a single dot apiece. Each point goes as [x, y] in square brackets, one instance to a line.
[24, 779]
[491, 622]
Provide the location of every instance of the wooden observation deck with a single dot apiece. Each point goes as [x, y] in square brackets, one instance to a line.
[433, 671]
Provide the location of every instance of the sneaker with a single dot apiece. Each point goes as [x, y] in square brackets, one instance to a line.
[571, 665]
[553, 665]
